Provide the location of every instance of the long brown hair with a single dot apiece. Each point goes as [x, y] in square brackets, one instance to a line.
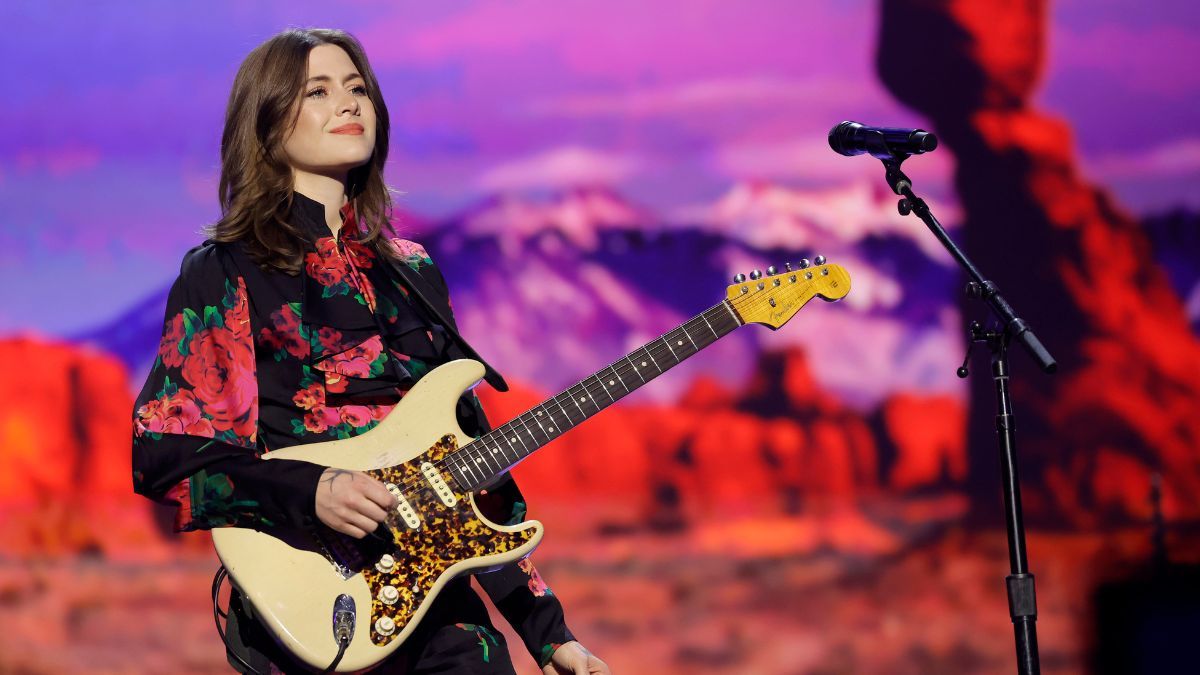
[256, 179]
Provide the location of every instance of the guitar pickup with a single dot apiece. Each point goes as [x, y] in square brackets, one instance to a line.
[405, 509]
[438, 484]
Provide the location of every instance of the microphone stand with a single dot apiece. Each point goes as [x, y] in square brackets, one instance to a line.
[1022, 602]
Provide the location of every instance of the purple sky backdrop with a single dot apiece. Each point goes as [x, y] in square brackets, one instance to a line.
[109, 165]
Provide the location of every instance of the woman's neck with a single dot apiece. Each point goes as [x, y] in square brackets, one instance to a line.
[329, 191]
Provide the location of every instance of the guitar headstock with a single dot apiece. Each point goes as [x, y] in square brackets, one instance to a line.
[774, 298]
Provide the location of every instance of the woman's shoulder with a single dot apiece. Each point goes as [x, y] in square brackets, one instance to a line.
[211, 264]
[206, 259]
[407, 247]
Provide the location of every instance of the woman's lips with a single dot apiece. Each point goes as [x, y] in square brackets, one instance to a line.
[351, 129]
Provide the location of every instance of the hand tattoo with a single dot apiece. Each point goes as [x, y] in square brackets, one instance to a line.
[332, 475]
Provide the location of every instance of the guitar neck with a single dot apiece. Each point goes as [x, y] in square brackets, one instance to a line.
[501, 449]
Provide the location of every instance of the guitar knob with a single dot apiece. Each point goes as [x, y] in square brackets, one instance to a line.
[820, 260]
[803, 263]
[771, 270]
[755, 274]
[385, 626]
[386, 564]
[388, 595]
[739, 278]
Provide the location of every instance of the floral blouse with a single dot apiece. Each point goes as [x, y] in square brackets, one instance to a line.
[253, 360]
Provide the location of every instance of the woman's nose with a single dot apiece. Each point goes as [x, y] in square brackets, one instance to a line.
[348, 104]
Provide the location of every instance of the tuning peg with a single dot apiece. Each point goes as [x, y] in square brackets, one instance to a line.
[755, 274]
[819, 260]
[787, 266]
[739, 278]
[771, 270]
[803, 263]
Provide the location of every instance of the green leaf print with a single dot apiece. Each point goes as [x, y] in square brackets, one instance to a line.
[213, 502]
[192, 324]
[213, 318]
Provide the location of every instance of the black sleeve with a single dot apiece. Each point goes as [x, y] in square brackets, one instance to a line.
[196, 420]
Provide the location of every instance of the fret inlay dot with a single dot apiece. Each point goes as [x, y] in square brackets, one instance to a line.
[582, 399]
[551, 429]
[611, 383]
[679, 343]
[643, 364]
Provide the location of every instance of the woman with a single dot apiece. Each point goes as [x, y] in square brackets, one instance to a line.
[301, 321]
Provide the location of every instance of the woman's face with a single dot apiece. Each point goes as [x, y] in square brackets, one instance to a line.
[335, 129]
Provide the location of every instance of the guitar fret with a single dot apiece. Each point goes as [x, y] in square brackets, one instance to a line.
[584, 387]
[606, 391]
[542, 424]
[585, 415]
[668, 343]
[635, 369]
[564, 410]
[731, 312]
[619, 378]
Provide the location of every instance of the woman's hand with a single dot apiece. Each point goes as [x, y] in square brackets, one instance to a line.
[351, 502]
[572, 658]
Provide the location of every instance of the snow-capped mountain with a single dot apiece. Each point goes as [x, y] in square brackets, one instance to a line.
[552, 290]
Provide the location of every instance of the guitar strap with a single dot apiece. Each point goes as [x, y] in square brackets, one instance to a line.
[413, 282]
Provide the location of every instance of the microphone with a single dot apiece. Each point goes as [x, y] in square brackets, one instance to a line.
[852, 138]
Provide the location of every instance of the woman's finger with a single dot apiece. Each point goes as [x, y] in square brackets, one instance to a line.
[370, 509]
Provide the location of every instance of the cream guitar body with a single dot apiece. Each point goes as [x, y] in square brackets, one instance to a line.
[293, 581]
[296, 580]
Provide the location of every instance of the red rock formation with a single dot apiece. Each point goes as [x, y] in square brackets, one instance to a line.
[782, 447]
[65, 484]
[1076, 266]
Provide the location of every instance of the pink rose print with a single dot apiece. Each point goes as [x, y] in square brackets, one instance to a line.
[237, 318]
[284, 333]
[355, 415]
[220, 368]
[536, 585]
[168, 349]
[174, 414]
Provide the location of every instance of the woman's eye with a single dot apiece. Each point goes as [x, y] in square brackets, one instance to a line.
[316, 93]
[360, 90]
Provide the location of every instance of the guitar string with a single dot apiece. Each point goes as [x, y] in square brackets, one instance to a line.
[456, 459]
[588, 387]
[459, 462]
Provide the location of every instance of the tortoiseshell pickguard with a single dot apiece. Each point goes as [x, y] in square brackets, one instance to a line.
[447, 535]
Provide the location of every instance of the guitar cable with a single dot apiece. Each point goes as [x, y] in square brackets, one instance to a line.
[218, 580]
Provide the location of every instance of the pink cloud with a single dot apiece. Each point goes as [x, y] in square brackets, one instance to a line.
[561, 167]
[1175, 158]
[59, 162]
[746, 92]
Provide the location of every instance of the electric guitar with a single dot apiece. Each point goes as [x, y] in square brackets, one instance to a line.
[301, 583]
